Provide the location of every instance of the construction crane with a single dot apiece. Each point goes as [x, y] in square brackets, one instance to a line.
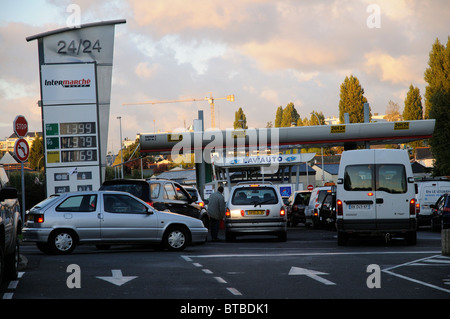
[209, 99]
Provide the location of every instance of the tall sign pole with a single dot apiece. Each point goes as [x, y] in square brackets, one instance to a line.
[21, 151]
[75, 66]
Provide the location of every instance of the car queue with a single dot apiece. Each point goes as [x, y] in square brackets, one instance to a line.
[372, 197]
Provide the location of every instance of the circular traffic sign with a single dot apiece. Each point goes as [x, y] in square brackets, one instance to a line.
[20, 126]
[21, 149]
[310, 187]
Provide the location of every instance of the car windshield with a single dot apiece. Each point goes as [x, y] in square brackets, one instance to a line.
[254, 196]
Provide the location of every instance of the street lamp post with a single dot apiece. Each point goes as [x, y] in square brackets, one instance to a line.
[121, 149]
[321, 151]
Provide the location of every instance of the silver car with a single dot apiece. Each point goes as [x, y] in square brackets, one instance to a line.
[62, 221]
[254, 209]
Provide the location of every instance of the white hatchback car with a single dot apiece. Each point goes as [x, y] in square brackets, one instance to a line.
[62, 221]
[254, 209]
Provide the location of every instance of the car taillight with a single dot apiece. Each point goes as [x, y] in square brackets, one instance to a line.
[412, 207]
[150, 203]
[315, 212]
[417, 208]
[340, 210]
[36, 218]
[227, 212]
[446, 209]
[242, 212]
[282, 211]
[202, 204]
[294, 208]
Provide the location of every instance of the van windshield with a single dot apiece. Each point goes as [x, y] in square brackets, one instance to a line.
[390, 178]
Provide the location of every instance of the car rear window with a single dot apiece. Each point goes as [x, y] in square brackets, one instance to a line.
[139, 190]
[254, 195]
[79, 203]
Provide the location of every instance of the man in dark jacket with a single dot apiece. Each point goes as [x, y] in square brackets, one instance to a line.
[216, 211]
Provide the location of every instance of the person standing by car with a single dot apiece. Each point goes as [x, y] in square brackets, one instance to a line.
[216, 211]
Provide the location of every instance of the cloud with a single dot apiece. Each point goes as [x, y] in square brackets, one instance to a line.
[144, 70]
[268, 53]
[397, 70]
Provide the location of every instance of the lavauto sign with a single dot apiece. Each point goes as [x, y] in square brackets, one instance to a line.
[268, 160]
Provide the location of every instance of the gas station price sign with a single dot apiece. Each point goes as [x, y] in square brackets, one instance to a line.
[73, 142]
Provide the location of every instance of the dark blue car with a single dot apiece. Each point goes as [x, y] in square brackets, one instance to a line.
[440, 216]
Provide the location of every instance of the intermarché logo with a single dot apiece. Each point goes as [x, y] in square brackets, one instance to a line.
[69, 83]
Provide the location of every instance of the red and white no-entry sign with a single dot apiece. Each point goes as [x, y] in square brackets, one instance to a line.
[20, 126]
[21, 149]
[310, 187]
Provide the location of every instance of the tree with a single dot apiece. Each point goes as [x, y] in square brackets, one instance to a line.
[437, 105]
[240, 120]
[290, 115]
[413, 105]
[313, 120]
[352, 100]
[279, 116]
[437, 74]
[393, 112]
[36, 158]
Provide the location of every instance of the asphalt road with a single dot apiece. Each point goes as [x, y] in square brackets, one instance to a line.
[252, 270]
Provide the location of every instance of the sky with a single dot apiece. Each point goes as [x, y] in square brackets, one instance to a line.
[267, 53]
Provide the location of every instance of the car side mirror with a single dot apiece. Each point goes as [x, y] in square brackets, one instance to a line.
[150, 211]
[8, 193]
[340, 181]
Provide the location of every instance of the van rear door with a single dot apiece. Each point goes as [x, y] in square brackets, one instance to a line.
[360, 202]
[358, 195]
[392, 193]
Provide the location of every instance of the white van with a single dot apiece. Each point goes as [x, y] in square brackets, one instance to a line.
[376, 195]
[428, 193]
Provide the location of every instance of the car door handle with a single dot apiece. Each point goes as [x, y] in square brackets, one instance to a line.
[100, 216]
[379, 201]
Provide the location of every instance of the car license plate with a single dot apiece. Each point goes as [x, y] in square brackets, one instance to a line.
[255, 212]
[359, 206]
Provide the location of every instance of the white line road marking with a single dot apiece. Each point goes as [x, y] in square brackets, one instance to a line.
[220, 280]
[234, 291]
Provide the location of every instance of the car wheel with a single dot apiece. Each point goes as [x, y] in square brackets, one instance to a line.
[176, 239]
[62, 242]
[342, 238]
[411, 238]
[230, 237]
[2, 262]
[282, 236]
[43, 247]
[205, 220]
[12, 262]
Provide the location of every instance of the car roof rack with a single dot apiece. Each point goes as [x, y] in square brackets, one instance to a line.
[254, 182]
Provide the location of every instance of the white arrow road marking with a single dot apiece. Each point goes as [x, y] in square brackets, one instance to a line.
[117, 278]
[311, 274]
